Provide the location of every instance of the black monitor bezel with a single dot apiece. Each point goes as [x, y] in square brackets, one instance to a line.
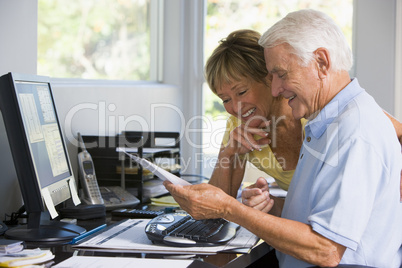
[31, 189]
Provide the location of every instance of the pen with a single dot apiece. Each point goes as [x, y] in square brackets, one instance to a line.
[82, 236]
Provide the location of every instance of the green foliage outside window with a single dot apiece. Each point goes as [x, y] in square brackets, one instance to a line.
[225, 16]
[94, 39]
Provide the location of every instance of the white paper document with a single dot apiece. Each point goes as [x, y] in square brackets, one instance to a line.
[121, 262]
[160, 172]
[129, 236]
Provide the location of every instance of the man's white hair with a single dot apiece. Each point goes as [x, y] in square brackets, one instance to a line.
[307, 30]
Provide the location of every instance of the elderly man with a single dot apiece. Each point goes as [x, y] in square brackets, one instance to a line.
[343, 202]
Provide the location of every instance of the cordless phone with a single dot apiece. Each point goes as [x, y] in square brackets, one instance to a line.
[88, 176]
[111, 196]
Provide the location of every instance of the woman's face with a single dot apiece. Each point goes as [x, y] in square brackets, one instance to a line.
[247, 100]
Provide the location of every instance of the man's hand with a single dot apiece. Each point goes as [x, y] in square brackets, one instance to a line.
[201, 201]
[257, 196]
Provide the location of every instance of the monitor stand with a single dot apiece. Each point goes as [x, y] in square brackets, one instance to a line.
[41, 230]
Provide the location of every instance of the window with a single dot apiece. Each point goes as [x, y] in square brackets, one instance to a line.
[96, 39]
[223, 17]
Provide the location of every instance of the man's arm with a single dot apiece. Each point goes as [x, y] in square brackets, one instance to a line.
[290, 237]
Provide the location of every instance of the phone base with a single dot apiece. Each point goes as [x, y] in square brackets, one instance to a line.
[84, 212]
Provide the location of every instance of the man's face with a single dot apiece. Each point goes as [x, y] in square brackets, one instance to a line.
[300, 85]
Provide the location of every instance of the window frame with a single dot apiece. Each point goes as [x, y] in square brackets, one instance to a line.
[398, 61]
[156, 53]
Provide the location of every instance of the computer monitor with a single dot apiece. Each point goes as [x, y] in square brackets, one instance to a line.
[40, 157]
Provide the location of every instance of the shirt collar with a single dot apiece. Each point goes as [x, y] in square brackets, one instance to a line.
[320, 123]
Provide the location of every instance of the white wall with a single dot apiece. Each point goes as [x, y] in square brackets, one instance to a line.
[18, 54]
[108, 109]
[398, 60]
[18, 28]
[374, 49]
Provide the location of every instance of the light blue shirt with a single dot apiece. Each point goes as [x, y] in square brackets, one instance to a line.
[346, 184]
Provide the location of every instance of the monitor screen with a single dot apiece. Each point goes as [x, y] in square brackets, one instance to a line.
[37, 145]
[42, 131]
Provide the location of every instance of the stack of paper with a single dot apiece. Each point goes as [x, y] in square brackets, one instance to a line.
[106, 262]
[26, 257]
[150, 188]
[164, 201]
[8, 246]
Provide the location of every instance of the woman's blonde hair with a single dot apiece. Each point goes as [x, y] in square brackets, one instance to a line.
[237, 56]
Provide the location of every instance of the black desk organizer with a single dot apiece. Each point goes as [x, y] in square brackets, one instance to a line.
[150, 140]
[108, 162]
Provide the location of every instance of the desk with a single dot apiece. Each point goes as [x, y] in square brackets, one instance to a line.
[63, 252]
[218, 260]
[259, 256]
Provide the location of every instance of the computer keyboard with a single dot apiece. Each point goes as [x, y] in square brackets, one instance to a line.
[124, 213]
[180, 229]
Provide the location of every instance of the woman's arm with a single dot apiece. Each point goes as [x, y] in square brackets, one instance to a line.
[228, 173]
[398, 129]
[230, 167]
[397, 126]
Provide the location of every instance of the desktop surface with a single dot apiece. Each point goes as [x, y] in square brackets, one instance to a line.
[262, 255]
[228, 260]
[64, 252]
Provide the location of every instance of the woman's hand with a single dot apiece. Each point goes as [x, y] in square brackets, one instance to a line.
[257, 196]
[241, 139]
